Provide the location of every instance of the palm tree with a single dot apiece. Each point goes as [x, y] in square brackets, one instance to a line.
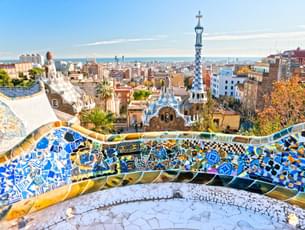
[98, 120]
[105, 91]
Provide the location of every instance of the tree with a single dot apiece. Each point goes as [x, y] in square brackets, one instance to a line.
[141, 94]
[285, 107]
[231, 102]
[187, 83]
[22, 81]
[5, 79]
[105, 91]
[36, 71]
[132, 84]
[205, 122]
[148, 83]
[98, 120]
[244, 70]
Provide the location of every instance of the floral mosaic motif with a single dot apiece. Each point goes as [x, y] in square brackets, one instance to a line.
[10, 125]
[282, 163]
[64, 156]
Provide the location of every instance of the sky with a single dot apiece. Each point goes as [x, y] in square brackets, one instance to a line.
[149, 28]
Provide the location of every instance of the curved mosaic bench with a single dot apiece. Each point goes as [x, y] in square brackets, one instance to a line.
[17, 92]
[58, 162]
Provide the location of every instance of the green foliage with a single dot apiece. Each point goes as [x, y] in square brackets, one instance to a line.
[36, 71]
[5, 79]
[105, 91]
[231, 102]
[141, 94]
[187, 83]
[98, 120]
[23, 82]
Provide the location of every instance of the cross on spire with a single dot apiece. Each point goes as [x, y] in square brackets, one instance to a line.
[199, 16]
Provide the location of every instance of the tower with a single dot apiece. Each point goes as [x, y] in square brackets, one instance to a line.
[197, 92]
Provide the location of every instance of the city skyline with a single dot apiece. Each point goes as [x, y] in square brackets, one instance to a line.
[140, 29]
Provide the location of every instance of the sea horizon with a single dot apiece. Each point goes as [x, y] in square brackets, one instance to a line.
[152, 59]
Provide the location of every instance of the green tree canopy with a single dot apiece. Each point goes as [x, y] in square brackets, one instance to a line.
[141, 94]
[98, 120]
[36, 71]
[5, 79]
[105, 91]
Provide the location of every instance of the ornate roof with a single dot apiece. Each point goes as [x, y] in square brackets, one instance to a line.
[166, 99]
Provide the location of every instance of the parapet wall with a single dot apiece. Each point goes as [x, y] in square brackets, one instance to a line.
[21, 112]
[19, 92]
[59, 162]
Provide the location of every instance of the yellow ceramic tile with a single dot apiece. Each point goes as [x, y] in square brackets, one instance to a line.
[148, 177]
[20, 209]
[281, 193]
[131, 178]
[49, 198]
[114, 181]
[76, 189]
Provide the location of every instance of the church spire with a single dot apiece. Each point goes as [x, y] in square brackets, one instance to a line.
[197, 92]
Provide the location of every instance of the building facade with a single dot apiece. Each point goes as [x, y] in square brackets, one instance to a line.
[63, 96]
[223, 84]
[259, 85]
[32, 58]
[14, 69]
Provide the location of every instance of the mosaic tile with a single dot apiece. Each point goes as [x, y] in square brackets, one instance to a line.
[64, 156]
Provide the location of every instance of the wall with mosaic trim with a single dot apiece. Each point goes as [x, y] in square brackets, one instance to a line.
[18, 117]
[58, 162]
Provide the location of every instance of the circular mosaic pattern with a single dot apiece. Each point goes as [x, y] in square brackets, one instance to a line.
[225, 168]
[213, 157]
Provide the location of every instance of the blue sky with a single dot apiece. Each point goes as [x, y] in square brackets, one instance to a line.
[139, 28]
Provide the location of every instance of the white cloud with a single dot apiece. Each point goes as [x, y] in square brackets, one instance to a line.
[123, 40]
[255, 36]
[229, 33]
[264, 34]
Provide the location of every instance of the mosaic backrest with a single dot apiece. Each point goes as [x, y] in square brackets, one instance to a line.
[57, 155]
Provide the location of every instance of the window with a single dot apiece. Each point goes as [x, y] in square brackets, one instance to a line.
[54, 103]
[226, 82]
[216, 122]
[226, 87]
[231, 87]
[162, 117]
[231, 93]
[232, 82]
[238, 82]
[185, 112]
[171, 117]
[226, 93]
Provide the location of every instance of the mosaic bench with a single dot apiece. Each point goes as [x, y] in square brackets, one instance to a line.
[60, 161]
[14, 92]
